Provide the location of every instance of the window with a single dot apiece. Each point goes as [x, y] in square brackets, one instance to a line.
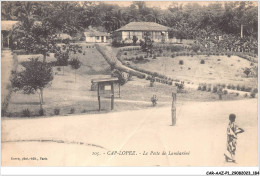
[97, 37]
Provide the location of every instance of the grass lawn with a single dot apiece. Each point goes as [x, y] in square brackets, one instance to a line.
[75, 97]
[217, 69]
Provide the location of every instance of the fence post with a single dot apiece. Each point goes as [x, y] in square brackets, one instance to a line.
[173, 108]
[99, 103]
[112, 96]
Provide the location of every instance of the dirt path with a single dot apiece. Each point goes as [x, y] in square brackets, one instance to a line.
[110, 53]
[200, 135]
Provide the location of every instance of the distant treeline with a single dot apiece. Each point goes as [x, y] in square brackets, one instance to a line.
[186, 20]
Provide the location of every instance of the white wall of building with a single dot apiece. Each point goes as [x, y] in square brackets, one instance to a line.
[156, 35]
[96, 39]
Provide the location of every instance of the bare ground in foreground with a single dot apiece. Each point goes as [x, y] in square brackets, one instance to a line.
[71, 140]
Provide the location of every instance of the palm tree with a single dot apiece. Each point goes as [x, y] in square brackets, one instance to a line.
[25, 13]
[65, 17]
[155, 16]
[93, 16]
[132, 14]
[7, 10]
[108, 22]
[118, 18]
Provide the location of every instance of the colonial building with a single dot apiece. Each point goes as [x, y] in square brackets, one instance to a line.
[6, 28]
[158, 33]
[94, 36]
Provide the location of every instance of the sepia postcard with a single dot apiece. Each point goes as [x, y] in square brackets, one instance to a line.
[122, 83]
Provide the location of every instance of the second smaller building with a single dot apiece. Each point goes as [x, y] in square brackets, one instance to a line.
[94, 36]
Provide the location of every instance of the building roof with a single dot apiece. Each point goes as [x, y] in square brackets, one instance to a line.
[8, 25]
[104, 80]
[143, 26]
[94, 33]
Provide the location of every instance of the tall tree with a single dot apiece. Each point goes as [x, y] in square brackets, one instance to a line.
[38, 38]
[155, 16]
[34, 78]
[75, 65]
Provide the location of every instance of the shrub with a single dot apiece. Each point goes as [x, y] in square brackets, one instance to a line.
[58, 69]
[148, 78]
[181, 62]
[199, 88]
[238, 87]
[215, 89]
[255, 90]
[41, 112]
[229, 86]
[247, 71]
[56, 111]
[245, 95]
[202, 61]
[125, 53]
[154, 100]
[242, 88]
[154, 56]
[195, 47]
[209, 89]
[225, 92]
[252, 95]
[72, 110]
[180, 87]
[26, 113]
[228, 55]
[141, 76]
[219, 59]
[248, 89]
[204, 87]
[237, 94]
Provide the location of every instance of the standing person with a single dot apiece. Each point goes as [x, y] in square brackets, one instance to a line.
[232, 132]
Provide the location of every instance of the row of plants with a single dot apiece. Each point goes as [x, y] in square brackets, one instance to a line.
[170, 47]
[130, 48]
[151, 75]
[247, 57]
[159, 80]
[221, 88]
[28, 113]
[242, 88]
